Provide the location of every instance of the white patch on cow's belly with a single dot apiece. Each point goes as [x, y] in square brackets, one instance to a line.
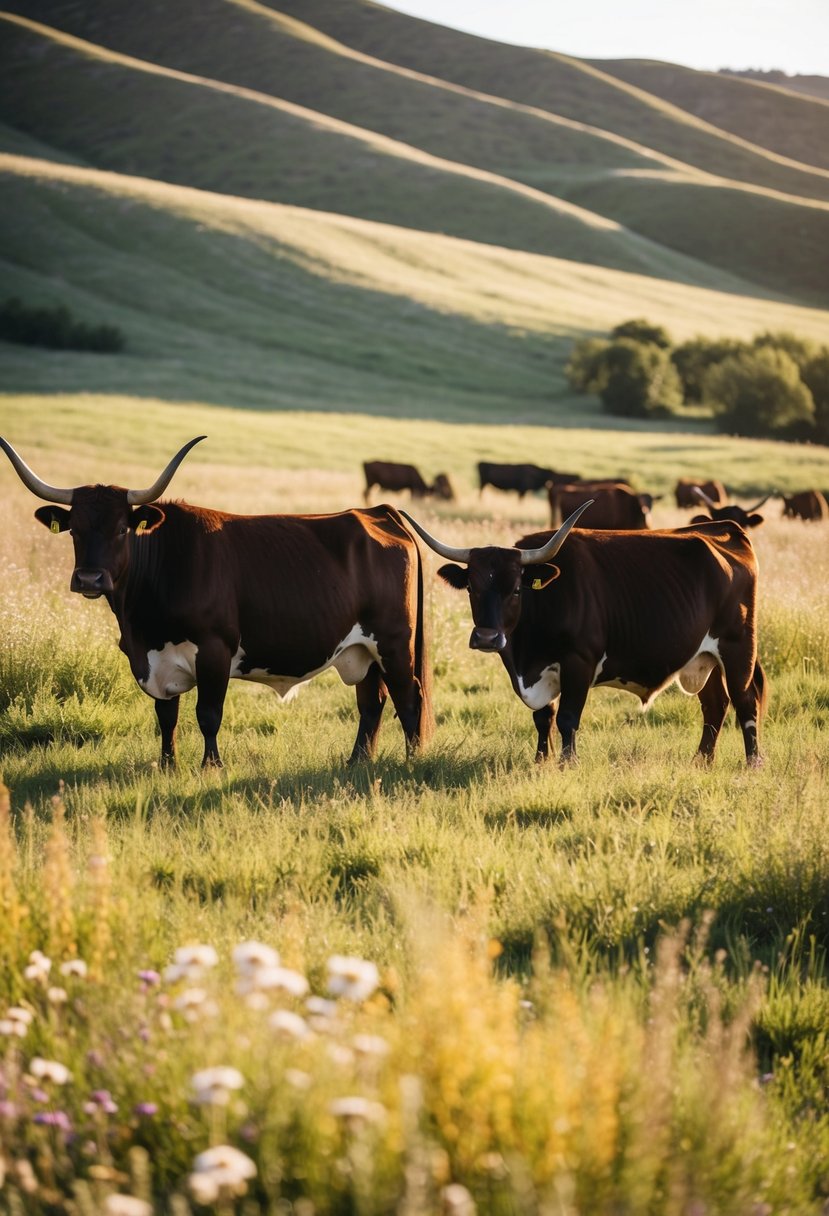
[172, 670]
[351, 658]
[691, 677]
[546, 688]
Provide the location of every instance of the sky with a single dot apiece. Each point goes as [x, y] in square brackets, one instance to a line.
[792, 35]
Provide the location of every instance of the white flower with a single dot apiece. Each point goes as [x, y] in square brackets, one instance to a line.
[289, 1025]
[298, 1078]
[271, 979]
[352, 978]
[196, 956]
[456, 1200]
[38, 959]
[9, 1027]
[320, 1007]
[370, 1045]
[76, 966]
[213, 1085]
[18, 1014]
[126, 1205]
[57, 996]
[356, 1110]
[222, 1170]
[49, 1070]
[251, 956]
[189, 1000]
[340, 1055]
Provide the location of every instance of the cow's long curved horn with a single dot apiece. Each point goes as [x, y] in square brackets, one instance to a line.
[759, 504]
[454, 555]
[32, 481]
[137, 498]
[531, 557]
[702, 496]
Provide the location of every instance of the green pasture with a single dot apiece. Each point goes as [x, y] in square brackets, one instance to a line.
[576, 967]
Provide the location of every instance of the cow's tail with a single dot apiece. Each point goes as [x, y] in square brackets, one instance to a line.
[423, 668]
[761, 689]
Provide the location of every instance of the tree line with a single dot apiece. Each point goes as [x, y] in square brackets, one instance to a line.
[55, 328]
[775, 385]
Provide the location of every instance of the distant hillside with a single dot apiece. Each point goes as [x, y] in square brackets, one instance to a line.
[238, 302]
[796, 127]
[814, 86]
[131, 115]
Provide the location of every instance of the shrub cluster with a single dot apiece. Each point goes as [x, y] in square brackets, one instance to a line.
[55, 328]
[777, 385]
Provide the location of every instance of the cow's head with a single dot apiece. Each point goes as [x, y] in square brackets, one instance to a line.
[746, 517]
[494, 578]
[100, 519]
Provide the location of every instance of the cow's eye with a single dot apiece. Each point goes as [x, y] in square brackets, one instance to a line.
[517, 590]
[122, 531]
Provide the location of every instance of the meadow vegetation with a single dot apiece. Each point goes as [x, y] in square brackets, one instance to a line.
[598, 989]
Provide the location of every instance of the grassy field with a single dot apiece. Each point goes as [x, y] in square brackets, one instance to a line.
[599, 989]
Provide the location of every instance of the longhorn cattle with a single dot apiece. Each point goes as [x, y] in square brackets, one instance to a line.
[614, 506]
[525, 478]
[685, 496]
[396, 477]
[635, 610]
[746, 517]
[442, 488]
[807, 504]
[203, 596]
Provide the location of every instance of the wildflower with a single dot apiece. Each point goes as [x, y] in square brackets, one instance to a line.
[213, 1085]
[101, 1100]
[57, 996]
[10, 1027]
[149, 977]
[190, 1001]
[38, 968]
[146, 1109]
[222, 1171]
[320, 1007]
[126, 1205]
[189, 962]
[252, 956]
[8, 1110]
[298, 1078]
[352, 978]
[18, 1014]
[74, 966]
[370, 1045]
[339, 1055]
[270, 979]
[289, 1025]
[456, 1200]
[356, 1110]
[49, 1070]
[53, 1118]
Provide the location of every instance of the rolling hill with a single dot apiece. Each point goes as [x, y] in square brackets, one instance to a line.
[328, 205]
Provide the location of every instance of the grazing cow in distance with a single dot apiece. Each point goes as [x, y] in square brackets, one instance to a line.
[442, 488]
[636, 611]
[525, 478]
[685, 496]
[615, 506]
[389, 475]
[806, 504]
[202, 597]
[746, 517]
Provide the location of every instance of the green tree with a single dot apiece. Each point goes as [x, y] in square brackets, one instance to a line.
[640, 380]
[583, 369]
[693, 358]
[815, 376]
[801, 350]
[641, 330]
[759, 392]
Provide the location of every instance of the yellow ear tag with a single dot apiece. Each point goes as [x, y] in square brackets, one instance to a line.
[54, 526]
[141, 526]
[536, 584]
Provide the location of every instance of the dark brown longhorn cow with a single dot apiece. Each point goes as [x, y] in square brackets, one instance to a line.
[523, 478]
[806, 504]
[631, 610]
[389, 475]
[685, 496]
[746, 517]
[615, 505]
[203, 596]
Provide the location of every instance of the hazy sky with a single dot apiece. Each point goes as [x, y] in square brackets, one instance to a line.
[789, 34]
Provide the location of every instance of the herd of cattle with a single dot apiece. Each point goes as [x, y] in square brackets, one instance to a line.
[204, 596]
[616, 505]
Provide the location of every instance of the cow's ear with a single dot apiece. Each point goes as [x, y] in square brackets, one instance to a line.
[146, 519]
[700, 519]
[755, 520]
[539, 577]
[455, 576]
[56, 519]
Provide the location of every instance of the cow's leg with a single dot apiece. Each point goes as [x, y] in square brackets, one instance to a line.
[713, 700]
[371, 697]
[404, 689]
[167, 714]
[543, 719]
[747, 688]
[212, 675]
[575, 685]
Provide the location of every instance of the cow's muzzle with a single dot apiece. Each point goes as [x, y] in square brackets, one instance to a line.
[487, 639]
[91, 583]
